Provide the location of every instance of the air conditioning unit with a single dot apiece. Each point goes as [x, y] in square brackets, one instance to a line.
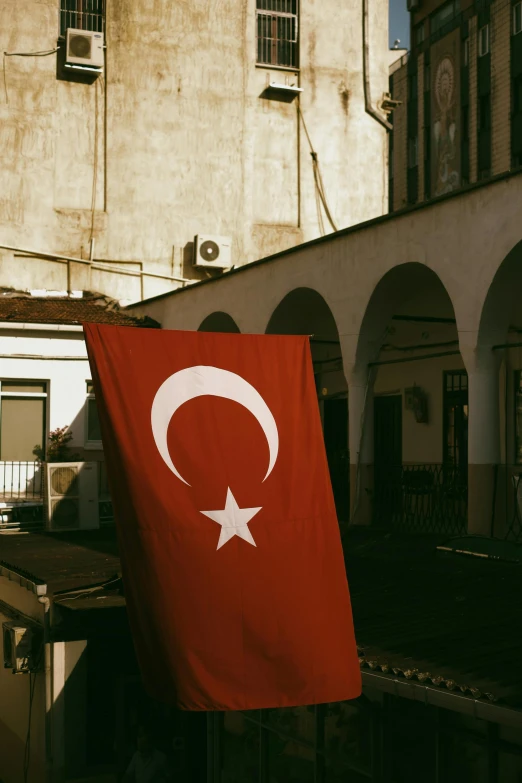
[72, 496]
[412, 4]
[212, 251]
[18, 647]
[84, 48]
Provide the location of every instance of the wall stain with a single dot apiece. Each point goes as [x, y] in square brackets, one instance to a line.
[344, 94]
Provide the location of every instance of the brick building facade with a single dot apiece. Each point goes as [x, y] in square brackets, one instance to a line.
[460, 90]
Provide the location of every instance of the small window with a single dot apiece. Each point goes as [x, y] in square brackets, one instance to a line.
[413, 86]
[277, 33]
[413, 152]
[517, 18]
[517, 95]
[484, 113]
[23, 409]
[92, 422]
[465, 53]
[82, 15]
[419, 34]
[444, 15]
[483, 41]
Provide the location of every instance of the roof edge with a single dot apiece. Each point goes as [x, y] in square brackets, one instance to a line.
[336, 235]
[23, 578]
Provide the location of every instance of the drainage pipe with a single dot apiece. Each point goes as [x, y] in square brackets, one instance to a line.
[366, 73]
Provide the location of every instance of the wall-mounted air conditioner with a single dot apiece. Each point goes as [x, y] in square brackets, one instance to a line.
[72, 496]
[84, 48]
[212, 251]
[18, 647]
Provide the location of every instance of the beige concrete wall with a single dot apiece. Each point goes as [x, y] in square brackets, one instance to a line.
[176, 139]
[14, 700]
[421, 443]
[500, 32]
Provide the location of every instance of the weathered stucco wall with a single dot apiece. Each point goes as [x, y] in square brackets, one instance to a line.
[14, 698]
[176, 138]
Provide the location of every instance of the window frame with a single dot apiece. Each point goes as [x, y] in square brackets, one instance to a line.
[24, 395]
[465, 52]
[517, 438]
[91, 445]
[87, 18]
[480, 51]
[517, 10]
[413, 151]
[295, 43]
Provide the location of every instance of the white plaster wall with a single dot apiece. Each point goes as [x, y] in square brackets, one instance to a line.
[185, 144]
[66, 378]
[420, 442]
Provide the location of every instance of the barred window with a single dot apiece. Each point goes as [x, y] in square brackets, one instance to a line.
[277, 33]
[82, 15]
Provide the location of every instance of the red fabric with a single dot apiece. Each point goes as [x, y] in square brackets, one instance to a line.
[243, 626]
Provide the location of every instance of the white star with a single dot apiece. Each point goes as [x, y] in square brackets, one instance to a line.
[233, 520]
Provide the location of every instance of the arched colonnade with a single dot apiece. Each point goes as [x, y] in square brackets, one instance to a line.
[418, 384]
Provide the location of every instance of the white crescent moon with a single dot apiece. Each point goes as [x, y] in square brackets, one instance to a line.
[204, 380]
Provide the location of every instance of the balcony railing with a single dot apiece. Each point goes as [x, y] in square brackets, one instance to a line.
[426, 498]
[21, 481]
[22, 496]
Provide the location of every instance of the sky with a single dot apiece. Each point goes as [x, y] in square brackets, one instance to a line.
[399, 24]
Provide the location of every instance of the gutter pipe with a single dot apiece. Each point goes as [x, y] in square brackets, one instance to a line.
[366, 74]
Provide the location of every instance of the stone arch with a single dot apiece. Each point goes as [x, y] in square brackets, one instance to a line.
[413, 284]
[218, 321]
[500, 303]
[407, 340]
[497, 369]
[305, 311]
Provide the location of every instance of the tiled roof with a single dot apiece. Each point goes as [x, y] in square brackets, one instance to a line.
[63, 310]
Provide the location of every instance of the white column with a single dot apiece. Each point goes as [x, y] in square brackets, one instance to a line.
[360, 425]
[483, 441]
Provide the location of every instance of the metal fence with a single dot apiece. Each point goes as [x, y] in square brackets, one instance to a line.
[514, 531]
[82, 15]
[426, 498]
[21, 481]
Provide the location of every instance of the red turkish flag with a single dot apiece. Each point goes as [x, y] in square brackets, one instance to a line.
[231, 554]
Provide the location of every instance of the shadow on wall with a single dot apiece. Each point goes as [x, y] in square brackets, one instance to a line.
[219, 322]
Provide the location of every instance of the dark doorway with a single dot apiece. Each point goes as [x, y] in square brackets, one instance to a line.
[387, 458]
[335, 417]
[455, 447]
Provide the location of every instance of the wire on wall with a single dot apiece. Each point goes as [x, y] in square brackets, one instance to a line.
[95, 162]
[44, 53]
[320, 194]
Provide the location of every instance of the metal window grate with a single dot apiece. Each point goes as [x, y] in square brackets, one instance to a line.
[277, 33]
[82, 15]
